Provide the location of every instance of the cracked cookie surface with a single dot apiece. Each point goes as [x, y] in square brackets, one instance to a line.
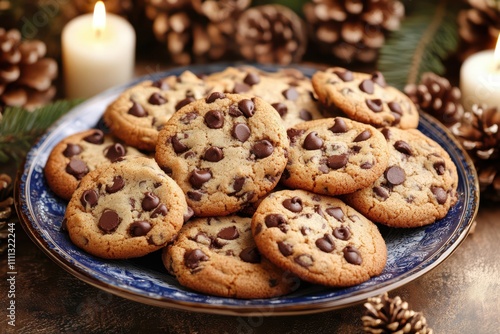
[218, 256]
[334, 156]
[319, 238]
[418, 187]
[125, 209]
[225, 151]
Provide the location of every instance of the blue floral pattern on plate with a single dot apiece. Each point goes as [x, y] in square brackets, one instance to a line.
[411, 252]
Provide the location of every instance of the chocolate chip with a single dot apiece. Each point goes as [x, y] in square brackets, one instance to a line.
[367, 86]
[215, 96]
[184, 102]
[293, 134]
[276, 220]
[213, 154]
[395, 175]
[137, 110]
[109, 221]
[293, 204]
[387, 133]
[250, 255]
[262, 149]
[339, 126]
[439, 167]
[71, 150]
[395, 107]
[199, 177]
[150, 201]
[89, 197]
[228, 233]
[336, 212]
[382, 192]
[365, 135]
[189, 117]
[342, 233]
[187, 215]
[304, 260]
[403, 147]
[312, 141]
[326, 243]
[160, 210]
[118, 184]
[305, 115]
[177, 145]
[258, 229]
[96, 137]
[139, 228]
[247, 107]
[366, 165]
[115, 151]
[157, 99]
[238, 183]
[281, 108]
[241, 131]
[345, 75]
[440, 193]
[285, 248]
[352, 255]
[240, 87]
[193, 258]
[397, 118]
[379, 79]
[214, 119]
[161, 85]
[77, 168]
[194, 195]
[375, 105]
[290, 94]
[252, 79]
[233, 111]
[337, 161]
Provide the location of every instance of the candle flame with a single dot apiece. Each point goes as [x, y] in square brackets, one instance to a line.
[99, 18]
[497, 53]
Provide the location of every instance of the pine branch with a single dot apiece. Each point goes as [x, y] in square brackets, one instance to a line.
[20, 128]
[426, 38]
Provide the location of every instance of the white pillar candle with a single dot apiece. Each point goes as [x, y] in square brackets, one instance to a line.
[480, 79]
[97, 56]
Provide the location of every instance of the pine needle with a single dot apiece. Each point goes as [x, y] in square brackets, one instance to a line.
[427, 37]
[20, 128]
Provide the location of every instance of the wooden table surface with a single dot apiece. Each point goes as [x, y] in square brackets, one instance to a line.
[461, 295]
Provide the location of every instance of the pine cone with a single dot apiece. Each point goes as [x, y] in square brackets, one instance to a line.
[386, 315]
[438, 97]
[478, 26]
[25, 74]
[271, 34]
[479, 133]
[6, 209]
[190, 36]
[220, 10]
[352, 29]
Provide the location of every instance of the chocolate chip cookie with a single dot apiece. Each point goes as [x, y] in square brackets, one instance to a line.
[218, 256]
[365, 98]
[319, 238]
[225, 151]
[289, 91]
[334, 156]
[140, 112]
[418, 187]
[125, 209]
[78, 154]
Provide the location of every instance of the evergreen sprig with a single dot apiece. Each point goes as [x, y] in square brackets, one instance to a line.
[428, 36]
[19, 128]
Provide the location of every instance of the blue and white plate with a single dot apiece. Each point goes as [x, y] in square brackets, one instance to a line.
[411, 252]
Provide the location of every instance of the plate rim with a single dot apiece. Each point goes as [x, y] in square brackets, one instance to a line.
[274, 310]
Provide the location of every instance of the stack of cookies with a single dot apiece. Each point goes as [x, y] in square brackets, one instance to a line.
[250, 181]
